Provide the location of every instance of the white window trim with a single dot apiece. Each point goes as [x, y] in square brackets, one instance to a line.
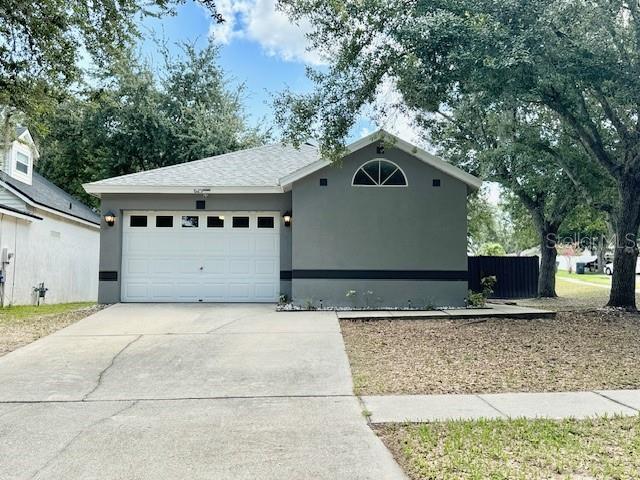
[15, 173]
[382, 185]
[17, 161]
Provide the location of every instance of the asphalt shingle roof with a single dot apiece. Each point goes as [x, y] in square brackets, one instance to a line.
[260, 166]
[45, 193]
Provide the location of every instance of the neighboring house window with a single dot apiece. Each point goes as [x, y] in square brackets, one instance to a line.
[22, 163]
[379, 173]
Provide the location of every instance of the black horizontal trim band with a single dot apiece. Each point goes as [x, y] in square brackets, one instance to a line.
[285, 274]
[22, 212]
[108, 276]
[446, 275]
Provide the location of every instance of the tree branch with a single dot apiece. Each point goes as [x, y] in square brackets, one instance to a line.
[586, 133]
[617, 122]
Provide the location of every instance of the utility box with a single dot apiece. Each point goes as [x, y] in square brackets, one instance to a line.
[580, 268]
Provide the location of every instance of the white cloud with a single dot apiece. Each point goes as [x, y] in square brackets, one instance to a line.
[261, 22]
[364, 131]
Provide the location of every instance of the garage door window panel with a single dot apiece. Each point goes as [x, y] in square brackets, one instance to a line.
[190, 221]
[240, 222]
[266, 222]
[164, 221]
[138, 221]
[215, 222]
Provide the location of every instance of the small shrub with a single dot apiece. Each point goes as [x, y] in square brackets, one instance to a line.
[487, 284]
[476, 299]
[479, 299]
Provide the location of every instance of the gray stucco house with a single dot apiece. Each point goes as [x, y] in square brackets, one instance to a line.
[386, 226]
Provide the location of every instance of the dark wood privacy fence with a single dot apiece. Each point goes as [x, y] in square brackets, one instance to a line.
[517, 276]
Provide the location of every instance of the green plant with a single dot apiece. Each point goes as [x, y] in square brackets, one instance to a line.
[476, 299]
[492, 249]
[487, 284]
[283, 299]
[479, 299]
[308, 304]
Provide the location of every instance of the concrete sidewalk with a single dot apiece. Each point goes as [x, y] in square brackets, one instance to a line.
[555, 405]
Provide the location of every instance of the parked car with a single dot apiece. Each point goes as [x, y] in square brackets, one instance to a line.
[608, 268]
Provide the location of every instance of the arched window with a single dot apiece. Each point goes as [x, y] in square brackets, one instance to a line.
[379, 173]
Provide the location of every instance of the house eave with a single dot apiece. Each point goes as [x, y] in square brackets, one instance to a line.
[97, 189]
[12, 212]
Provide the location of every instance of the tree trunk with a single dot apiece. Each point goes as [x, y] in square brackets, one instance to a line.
[602, 250]
[548, 253]
[623, 283]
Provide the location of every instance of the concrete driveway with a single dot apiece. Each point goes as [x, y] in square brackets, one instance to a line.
[187, 391]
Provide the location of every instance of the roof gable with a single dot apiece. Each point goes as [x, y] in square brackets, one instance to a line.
[23, 135]
[436, 162]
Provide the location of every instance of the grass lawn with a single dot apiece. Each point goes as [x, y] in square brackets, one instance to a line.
[517, 449]
[574, 351]
[587, 277]
[574, 296]
[25, 311]
[20, 325]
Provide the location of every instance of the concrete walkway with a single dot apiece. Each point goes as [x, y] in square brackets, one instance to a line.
[492, 310]
[555, 405]
[194, 392]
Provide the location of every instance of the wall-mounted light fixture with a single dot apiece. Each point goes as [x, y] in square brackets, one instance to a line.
[287, 218]
[110, 218]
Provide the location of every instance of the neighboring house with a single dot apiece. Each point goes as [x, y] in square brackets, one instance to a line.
[386, 226]
[46, 236]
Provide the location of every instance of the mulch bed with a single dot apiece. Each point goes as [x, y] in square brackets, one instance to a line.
[583, 350]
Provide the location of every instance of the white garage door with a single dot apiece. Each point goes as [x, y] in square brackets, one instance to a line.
[200, 256]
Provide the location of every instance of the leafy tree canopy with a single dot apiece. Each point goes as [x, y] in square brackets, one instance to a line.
[481, 221]
[42, 43]
[135, 119]
[492, 250]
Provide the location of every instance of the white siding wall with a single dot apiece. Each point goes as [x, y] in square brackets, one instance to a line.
[61, 253]
[11, 200]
